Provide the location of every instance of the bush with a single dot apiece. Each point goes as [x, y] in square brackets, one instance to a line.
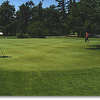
[21, 35]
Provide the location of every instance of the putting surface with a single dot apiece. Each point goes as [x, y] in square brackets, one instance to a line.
[50, 67]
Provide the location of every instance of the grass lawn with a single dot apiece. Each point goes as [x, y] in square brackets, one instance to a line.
[50, 67]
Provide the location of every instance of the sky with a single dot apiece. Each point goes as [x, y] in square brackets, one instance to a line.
[17, 3]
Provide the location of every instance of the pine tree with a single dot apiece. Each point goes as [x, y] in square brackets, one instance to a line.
[40, 11]
[62, 7]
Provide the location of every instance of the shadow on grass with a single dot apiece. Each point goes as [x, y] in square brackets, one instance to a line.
[84, 82]
[94, 47]
[5, 56]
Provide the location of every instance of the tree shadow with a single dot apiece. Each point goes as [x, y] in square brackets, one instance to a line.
[34, 83]
[94, 47]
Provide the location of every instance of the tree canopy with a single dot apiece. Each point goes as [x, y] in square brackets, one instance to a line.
[67, 17]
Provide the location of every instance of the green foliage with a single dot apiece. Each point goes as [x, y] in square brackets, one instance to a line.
[68, 16]
[22, 35]
[36, 29]
[24, 16]
[7, 13]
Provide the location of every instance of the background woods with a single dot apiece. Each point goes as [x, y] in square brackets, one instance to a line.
[67, 17]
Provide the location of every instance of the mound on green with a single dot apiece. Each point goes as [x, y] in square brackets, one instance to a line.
[50, 67]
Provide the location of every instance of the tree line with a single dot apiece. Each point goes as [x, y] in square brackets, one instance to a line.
[67, 17]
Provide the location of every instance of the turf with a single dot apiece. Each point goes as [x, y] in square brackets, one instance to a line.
[50, 67]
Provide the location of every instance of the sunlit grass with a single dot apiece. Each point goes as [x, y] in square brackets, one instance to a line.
[53, 66]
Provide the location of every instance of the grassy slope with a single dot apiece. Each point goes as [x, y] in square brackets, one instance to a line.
[49, 67]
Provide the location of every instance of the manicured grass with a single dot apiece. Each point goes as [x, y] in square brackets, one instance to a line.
[50, 67]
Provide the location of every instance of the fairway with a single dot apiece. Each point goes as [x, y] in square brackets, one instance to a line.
[50, 67]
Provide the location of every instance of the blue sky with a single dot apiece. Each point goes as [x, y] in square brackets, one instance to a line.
[17, 3]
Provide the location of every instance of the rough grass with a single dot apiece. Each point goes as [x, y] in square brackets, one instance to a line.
[50, 67]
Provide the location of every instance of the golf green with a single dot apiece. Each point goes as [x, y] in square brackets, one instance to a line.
[50, 67]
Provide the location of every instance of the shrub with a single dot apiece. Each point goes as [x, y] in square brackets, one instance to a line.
[22, 35]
